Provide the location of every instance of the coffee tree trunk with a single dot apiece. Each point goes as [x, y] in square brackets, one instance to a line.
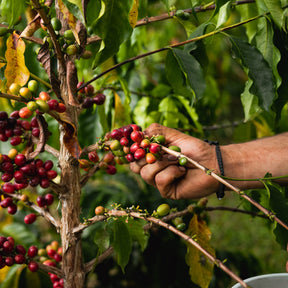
[69, 197]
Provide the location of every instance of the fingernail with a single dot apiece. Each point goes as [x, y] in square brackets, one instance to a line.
[181, 168]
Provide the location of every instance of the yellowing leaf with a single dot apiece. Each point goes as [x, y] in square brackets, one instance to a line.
[262, 128]
[200, 267]
[72, 20]
[133, 14]
[16, 70]
[122, 112]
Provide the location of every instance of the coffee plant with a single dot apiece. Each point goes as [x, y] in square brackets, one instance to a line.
[80, 81]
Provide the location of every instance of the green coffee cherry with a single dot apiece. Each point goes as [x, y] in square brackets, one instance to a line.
[163, 210]
[175, 148]
[183, 161]
[181, 226]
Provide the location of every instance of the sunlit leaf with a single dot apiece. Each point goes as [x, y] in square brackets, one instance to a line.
[11, 10]
[276, 11]
[200, 267]
[121, 114]
[12, 275]
[75, 7]
[71, 19]
[133, 14]
[16, 70]
[224, 14]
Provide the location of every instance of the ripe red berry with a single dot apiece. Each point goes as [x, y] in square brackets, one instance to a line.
[12, 209]
[93, 156]
[41, 202]
[29, 219]
[3, 137]
[116, 134]
[89, 90]
[35, 132]
[20, 160]
[6, 177]
[34, 181]
[3, 115]
[19, 259]
[16, 140]
[130, 157]
[33, 266]
[124, 141]
[137, 136]
[6, 202]
[61, 108]
[154, 148]
[26, 125]
[111, 170]
[87, 103]
[51, 252]
[8, 188]
[51, 174]
[134, 147]
[20, 249]
[9, 261]
[53, 104]
[44, 183]
[79, 84]
[48, 165]
[139, 154]
[135, 127]
[99, 99]
[41, 172]
[49, 199]
[32, 251]
[25, 113]
[7, 246]
[19, 176]
[127, 130]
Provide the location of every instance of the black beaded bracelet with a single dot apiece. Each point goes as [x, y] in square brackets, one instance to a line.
[220, 193]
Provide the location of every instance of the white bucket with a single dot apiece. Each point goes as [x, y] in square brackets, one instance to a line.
[277, 280]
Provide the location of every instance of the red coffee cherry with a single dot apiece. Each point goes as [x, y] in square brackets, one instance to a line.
[33, 266]
[30, 218]
[139, 154]
[32, 251]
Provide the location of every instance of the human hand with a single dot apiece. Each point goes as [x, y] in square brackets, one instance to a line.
[174, 181]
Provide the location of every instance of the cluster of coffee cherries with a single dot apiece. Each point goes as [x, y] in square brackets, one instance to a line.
[52, 256]
[128, 143]
[88, 97]
[14, 128]
[18, 173]
[11, 254]
[41, 104]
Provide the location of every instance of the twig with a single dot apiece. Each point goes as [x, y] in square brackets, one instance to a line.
[90, 265]
[52, 150]
[51, 269]
[12, 97]
[51, 31]
[220, 30]
[44, 213]
[230, 186]
[166, 16]
[218, 263]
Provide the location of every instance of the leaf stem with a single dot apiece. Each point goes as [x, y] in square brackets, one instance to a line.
[41, 80]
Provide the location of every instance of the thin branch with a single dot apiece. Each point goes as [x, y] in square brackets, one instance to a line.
[90, 265]
[230, 186]
[51, 31]
[52, 150]
[51, 269]
[12, 97]
[166, 16]
[220, 30]
[44, 213]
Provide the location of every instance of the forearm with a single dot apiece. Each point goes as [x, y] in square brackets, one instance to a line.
[252, 160]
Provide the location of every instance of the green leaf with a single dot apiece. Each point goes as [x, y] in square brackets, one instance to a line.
[218, 5]
[20, 233]
[75, 7]
[185, 74]
[279, 205]
[276, 11]
[12, 278]
[224, 14]
[247, 12]
[263, 85]
[140, 111]
[135, 227]
[12, 10]
[169, 110]
[121, 242]
[113, 28]
[249, 102]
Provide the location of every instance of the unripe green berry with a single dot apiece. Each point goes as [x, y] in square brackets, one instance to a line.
[163, 210]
